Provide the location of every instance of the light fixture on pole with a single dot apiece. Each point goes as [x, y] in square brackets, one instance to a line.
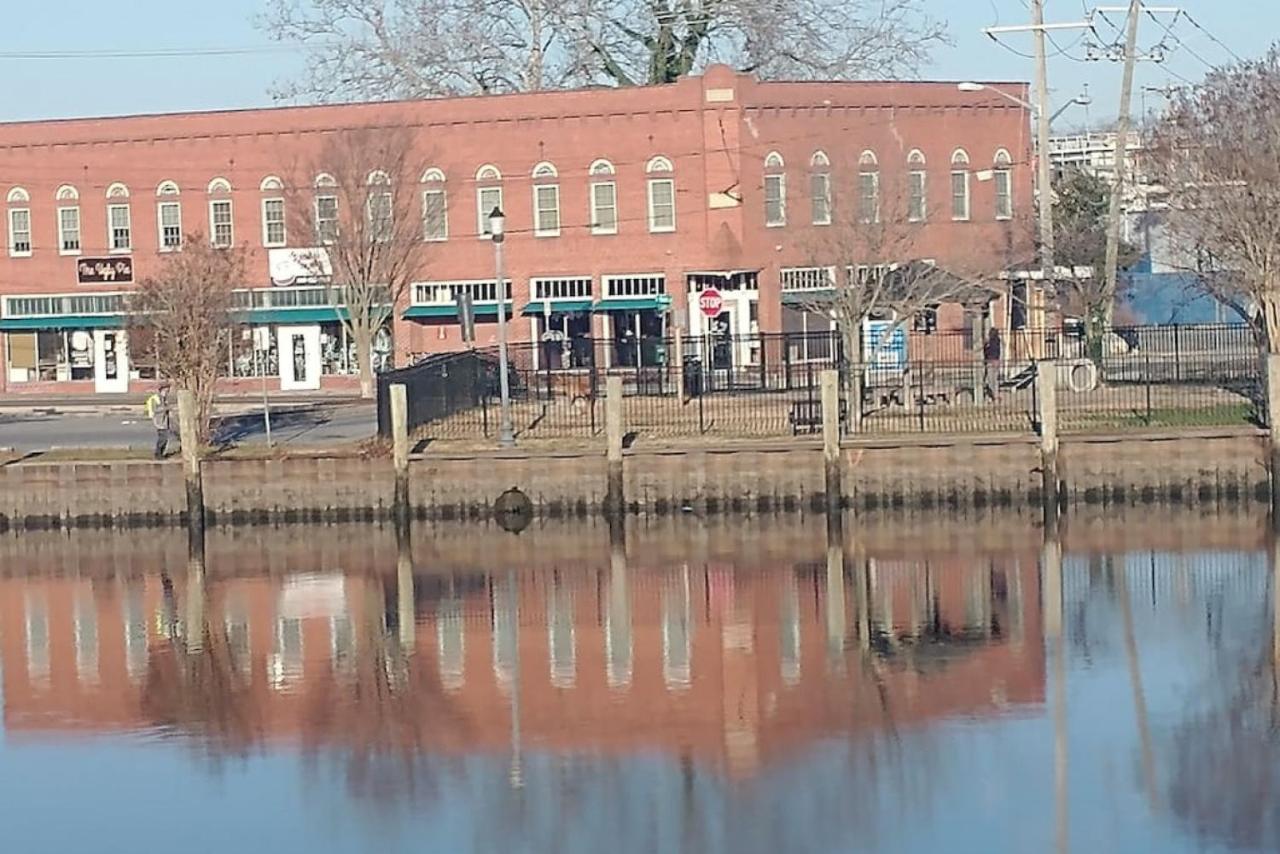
[498, 231]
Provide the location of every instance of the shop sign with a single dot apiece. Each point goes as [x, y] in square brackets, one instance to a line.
[105, 271]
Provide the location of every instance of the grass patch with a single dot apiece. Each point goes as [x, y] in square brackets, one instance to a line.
[1216, 415]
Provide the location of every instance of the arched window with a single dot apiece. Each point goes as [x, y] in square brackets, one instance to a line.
[960, 185]
[119, 219]
[662, 195]
[1004, 184]
[488, 197]
[546, 201]
[775, 191]
[917, 187]
[435, 206]
[820, 188]
[274, 231]
[868, 187]
[19, 223]
[324, 179]
[378, 178]
[379, 205]
[326, 209]
[117, 191]
[68, 199]
[221, 217]
[604, 198]
[169, 216]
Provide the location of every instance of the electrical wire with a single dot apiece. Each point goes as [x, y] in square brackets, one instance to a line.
[1212, 37]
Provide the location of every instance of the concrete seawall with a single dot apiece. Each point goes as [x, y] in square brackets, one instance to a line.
[896, 474]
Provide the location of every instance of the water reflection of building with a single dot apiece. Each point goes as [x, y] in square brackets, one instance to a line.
[732, 667]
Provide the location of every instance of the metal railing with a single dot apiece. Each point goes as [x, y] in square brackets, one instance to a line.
[768, 385]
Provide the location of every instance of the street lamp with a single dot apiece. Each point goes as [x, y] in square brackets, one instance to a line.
[498, 230]
[1079, 100]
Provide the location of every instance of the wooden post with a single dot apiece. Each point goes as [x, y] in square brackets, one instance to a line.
[194, 618]
[405, 596]
[1273, 423]
[830, 384]
[400, 452]
[679, 357]
[188, 434]
[618, 666]
[1047, 414]
[615, 497]
[837, 620]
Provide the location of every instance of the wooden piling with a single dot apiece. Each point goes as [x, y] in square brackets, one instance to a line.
[1047, 415]
[615, 497]
[829, 382]
[400, 453]
[191, 452]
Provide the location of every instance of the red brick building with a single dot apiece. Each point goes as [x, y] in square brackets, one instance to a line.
[619, 204]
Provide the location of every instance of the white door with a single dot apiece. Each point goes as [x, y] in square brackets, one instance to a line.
[299, 358]
[110, 362]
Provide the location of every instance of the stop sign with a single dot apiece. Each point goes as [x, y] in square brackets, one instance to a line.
[710, 302]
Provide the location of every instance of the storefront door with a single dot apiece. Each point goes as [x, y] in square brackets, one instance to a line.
[110, 362]
[299, 351]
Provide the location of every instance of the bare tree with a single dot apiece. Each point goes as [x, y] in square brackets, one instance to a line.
[358, 200]
[184, 315]
[374, 49]
[1215, 155]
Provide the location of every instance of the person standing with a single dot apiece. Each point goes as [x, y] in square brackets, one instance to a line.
[158, 410]
[991, 354]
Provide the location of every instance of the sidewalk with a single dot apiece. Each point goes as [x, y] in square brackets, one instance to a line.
[92, 404]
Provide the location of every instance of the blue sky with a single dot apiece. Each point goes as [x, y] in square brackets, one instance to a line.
[42, 88]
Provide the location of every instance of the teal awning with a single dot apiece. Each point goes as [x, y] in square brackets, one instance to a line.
[287, 316]
[655, 303]
[62, 321]
[801, 298]
[558, 306]
[451, 311]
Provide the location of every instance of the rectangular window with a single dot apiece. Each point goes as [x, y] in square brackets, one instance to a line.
[121, 231]
[435, 215]
[20, 231]
[917, 208]
[220, 223]
[820, 197]
[487, 198]
[635, 286]
[169, 215]
[960, 195]
[546, 210]
[69, 231]
[775, 200]
[273, 228]
[1004, 194]
[380, 214]
[662, 205]
[604, 208]
[326, 219]
[869, 196]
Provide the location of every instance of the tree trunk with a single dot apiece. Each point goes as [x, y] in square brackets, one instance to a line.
[851, 364]
[364, 359]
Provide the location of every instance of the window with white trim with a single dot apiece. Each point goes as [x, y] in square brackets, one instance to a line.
[326, 219]
[119, 228]
[604, 199]
[221, 225]
[868, 188]
[1004, 185]
[274, 232]
[20, 232]
[917, 187]
[488, 198]
[435, 215]
[169, 216]
[662, 197]
[643, 285]
[69, 231]
[564, 287]
[820, 189]
[960, 185]
[775, 191]
[447, 293]
[546, 210]
[807, 278]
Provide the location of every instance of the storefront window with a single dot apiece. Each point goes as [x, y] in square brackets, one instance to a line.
[565, 340]
[253, 352]
[639, 338]
[52, 355]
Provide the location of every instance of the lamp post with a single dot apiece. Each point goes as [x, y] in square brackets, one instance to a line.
[498, 229]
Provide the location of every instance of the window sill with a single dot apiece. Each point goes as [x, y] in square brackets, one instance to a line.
[20, 254]
[444, 239]
[546, 234]
[601, 232]
[822, 224]
[70, 253]
[125, 251]
[1004, 218]
[775, 224]
[653, 230]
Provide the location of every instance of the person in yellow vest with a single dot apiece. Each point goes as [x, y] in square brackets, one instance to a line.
[158, 410]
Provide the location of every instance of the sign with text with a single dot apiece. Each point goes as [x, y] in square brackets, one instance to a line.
[710, 302]
[105, 271]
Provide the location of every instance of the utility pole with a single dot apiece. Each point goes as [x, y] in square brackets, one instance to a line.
[1121, 164]
[1042, 143]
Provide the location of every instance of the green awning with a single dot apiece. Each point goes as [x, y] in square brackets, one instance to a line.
[802, 298]
[558, 306]
[62, 321]
[287, 316]
[654, 303]
[450, 310]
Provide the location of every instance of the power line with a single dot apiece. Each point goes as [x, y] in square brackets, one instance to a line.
[1212, 37]
[155, 53]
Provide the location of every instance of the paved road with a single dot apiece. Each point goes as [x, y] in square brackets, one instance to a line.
[122, 427]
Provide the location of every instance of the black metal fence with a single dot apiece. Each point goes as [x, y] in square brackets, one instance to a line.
[768, 385]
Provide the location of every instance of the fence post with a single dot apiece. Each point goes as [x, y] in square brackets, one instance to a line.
[830, 381]
[1273, 429]
[1047, 415]
[400, 452]
[189, 436]
[615, 498]
[679, 359]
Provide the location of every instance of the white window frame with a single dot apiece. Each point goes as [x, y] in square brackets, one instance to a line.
[62, 232]
[373, 218]
[654, 227]
[160, 235]
[1003, 176]
[874, 215]
[960, 169]
[14, 251]
[443, 235]
[539, 227]
[267, 242]
[213, 223]
[483, 210]
[321, 237]
[596, 207]
[780, 180]
[112, 248]
[912, 177]
[824, 197]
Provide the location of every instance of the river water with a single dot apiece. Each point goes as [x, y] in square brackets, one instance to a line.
[898, 685]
